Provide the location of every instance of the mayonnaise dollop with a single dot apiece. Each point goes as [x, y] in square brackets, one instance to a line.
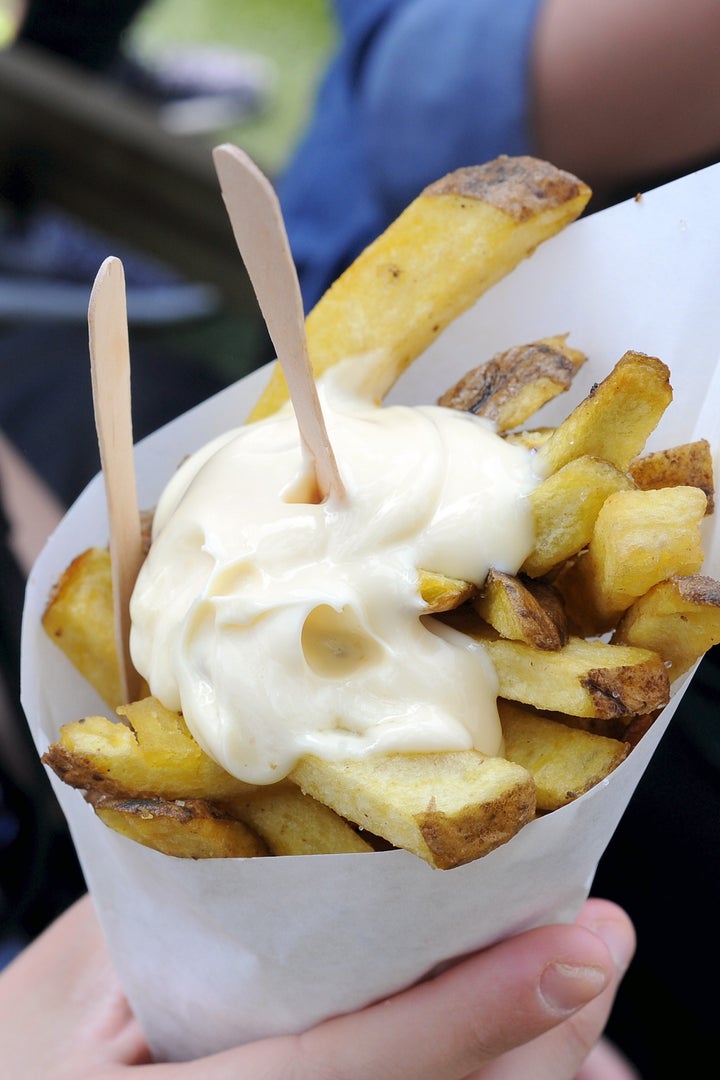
[282, 627]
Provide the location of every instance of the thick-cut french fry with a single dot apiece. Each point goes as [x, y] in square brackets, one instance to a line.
[442, 593]
[187, 829]
[565, 507]
[157, 761]
[292, 823]
[690, 464]
[678, 618]
[515, 384]
[639, 539]
[79, 618]
[446, 808]
[616, 418]
[584, 678]
[529, 612]
[530, 438]
[564, 761]
[152, 754]
[461, 235]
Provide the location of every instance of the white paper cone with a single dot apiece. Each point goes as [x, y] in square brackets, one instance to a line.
[216, 952]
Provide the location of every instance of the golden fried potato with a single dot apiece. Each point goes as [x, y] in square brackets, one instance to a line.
[292, 823]
[616, 418]
[530, 438]
[610, 526]
[583, 678]
[511, 387]
[678, 618]
[443, 593]
[690, 464]
[396, 794]
[152, 754]
[446, 808]
[529, 612]
[565, 507]
[187, 829]
[461, 235]
[565, 762]
[639, 539]
[79, 619]
[157, 761]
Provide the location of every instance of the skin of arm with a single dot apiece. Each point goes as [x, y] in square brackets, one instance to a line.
[31, 507]
[626, 89]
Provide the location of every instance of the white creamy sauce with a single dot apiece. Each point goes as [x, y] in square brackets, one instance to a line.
[281, 627]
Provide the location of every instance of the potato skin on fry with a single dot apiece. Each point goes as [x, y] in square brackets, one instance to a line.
[448, 809]
[511, 387]
[522, 611]
[153, 753]
[679, 618]
[519, 186]
[409, 284]
[188, 829]
[690, 465]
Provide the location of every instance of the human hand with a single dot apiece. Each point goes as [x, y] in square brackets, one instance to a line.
[533, 1005]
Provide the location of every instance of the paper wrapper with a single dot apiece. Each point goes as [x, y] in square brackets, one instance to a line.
[217, 952]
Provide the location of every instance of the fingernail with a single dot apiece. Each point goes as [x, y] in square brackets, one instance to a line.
[616, 938]
[566, 987]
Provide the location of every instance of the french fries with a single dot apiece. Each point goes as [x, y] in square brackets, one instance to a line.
[617, 552]
[522, 611]
[565, 507]
[151, 753]
[616, 418]
[79, 618]
[514, 385]
[293, 823]
[187, 828]
[582, 678]
[689, 464]
[476, 802]
[565, 762]
[678, 618]
[639, 539]
[461, 235]
[568, 706]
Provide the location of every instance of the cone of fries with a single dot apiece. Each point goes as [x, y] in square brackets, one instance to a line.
[401, 722]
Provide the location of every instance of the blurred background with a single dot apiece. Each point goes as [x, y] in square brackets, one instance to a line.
[295, 35]
[90, 167]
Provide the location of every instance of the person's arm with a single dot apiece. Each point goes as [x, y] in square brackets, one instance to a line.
[613, 90]
[32, 509]
[626, 89]
[530, 1006]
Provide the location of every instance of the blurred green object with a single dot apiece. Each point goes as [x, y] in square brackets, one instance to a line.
[294, 35]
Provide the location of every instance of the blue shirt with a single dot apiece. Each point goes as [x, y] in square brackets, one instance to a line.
[416, 89]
